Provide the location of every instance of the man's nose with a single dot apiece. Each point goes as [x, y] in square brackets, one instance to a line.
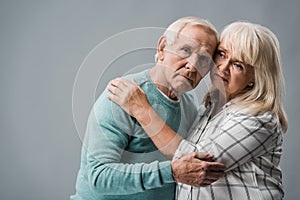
[191, 64]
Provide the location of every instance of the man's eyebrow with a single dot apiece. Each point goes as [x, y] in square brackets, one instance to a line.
[185, 44]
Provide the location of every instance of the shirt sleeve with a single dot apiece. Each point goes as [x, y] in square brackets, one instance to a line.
[107, 135]
[239, 138]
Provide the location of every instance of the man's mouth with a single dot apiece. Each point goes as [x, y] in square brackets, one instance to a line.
[190, 80]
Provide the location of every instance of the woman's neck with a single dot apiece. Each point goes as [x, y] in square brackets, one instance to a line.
[219, 101]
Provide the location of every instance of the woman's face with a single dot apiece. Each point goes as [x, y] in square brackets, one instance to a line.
[230, 76]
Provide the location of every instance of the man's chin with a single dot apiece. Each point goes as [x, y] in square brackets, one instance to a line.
[184, 88]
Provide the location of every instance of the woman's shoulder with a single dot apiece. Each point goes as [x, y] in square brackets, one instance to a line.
[265, 120]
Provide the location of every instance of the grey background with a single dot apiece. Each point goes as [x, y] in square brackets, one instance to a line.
[44, 43]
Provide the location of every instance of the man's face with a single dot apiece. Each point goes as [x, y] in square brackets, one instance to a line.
[188, 59]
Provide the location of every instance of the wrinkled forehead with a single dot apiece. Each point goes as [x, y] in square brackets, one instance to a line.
[197, 37]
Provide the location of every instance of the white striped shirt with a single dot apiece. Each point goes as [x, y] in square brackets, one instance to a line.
[250, 147]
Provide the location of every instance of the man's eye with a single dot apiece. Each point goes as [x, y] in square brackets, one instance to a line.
[186, 50]
[204, 59]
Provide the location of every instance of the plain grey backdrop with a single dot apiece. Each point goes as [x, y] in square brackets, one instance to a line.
[44, 43]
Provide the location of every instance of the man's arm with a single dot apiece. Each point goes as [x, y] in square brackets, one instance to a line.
[133, 100]
[190, 170]
[108, 134]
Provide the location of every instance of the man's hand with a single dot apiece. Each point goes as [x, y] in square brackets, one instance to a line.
[190, 170]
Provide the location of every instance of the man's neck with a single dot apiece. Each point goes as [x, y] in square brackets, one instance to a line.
[157, 77]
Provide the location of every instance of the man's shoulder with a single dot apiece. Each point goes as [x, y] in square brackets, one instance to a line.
[104, 102]
[140, 77]
[189, 106]
[190, 99]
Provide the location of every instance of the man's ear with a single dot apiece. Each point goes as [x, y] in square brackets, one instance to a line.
[162, 42]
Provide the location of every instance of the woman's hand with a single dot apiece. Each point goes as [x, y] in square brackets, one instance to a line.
[133, 100]
[129, 96]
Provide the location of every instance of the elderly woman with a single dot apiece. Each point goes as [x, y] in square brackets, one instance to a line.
[241, 121]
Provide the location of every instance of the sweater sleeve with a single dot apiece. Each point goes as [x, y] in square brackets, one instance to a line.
[108, 133]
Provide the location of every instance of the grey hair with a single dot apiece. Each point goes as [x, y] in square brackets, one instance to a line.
[258, 46]
[173, 30]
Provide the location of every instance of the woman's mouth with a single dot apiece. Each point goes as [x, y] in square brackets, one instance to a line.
[221, 78]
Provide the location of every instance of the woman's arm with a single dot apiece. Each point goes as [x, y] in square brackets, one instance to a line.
[239, 139]
[134, 101]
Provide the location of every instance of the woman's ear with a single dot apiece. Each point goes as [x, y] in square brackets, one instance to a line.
[161, 47]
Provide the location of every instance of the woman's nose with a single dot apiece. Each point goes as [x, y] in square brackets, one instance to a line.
[223, 66]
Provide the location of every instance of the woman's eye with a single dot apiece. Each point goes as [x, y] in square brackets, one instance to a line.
[238, 66]
[221, 54]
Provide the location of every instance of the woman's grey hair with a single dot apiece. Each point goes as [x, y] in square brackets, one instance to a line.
[258, 46]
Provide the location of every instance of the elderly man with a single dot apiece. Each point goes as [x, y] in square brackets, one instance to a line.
[118, 160]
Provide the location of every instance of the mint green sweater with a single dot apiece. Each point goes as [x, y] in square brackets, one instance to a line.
[119, 161]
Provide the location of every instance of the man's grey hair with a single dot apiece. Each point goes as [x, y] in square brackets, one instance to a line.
[173, 30]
